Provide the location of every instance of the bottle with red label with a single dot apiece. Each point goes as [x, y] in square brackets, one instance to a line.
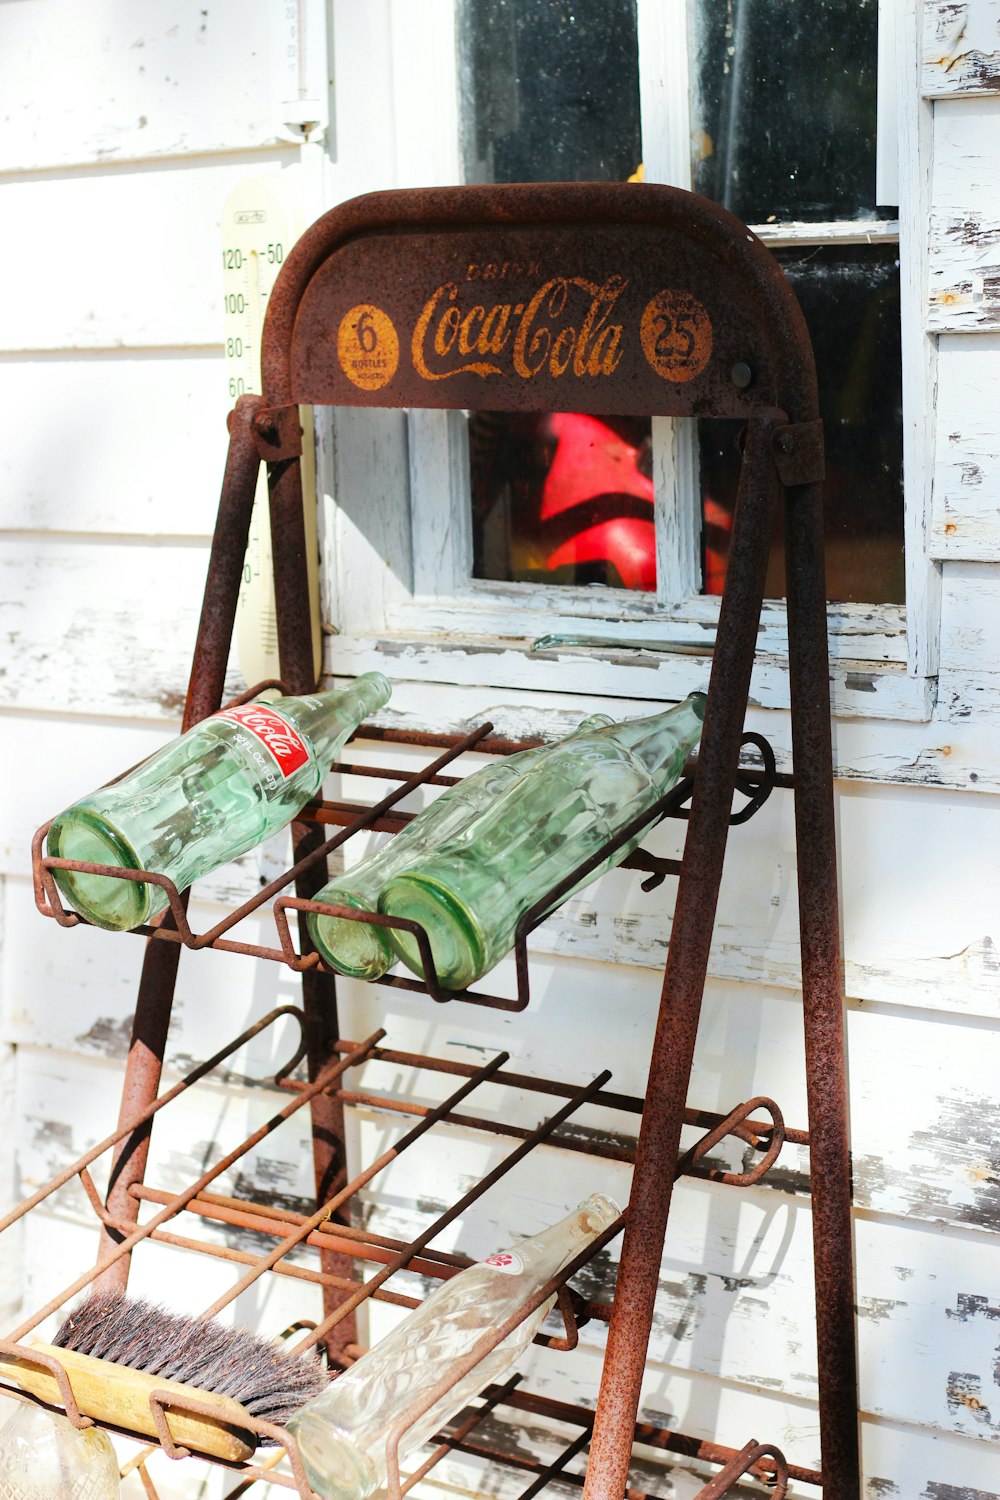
[342, 1432]
[212, 794]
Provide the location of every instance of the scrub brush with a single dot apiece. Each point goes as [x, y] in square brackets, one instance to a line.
[117, 1349]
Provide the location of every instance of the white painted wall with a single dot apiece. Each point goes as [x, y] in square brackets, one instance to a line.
[127, 127]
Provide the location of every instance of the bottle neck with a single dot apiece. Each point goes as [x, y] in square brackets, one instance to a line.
[656, 741]
[548, 1251]
[328, 719]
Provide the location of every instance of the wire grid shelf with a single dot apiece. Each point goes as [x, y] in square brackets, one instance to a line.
[353, 818]
[756, 1124]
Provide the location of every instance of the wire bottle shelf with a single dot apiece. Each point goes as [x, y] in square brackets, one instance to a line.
[172, 1218]
[756, 783]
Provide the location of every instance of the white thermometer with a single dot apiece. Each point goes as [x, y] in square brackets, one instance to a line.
[260, 224]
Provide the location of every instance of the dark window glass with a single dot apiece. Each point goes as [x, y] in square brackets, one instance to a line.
[783, 107]
[850, 299]
[550, 90]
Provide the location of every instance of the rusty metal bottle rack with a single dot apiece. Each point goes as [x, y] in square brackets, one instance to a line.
[706, 326]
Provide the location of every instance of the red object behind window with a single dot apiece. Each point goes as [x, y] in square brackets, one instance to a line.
[596, 505]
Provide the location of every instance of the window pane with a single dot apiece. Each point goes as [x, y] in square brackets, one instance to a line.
[783, 107]
[562, 497]
[550, 92]
[850, 299]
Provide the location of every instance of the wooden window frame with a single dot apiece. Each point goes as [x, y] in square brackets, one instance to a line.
[400, 558]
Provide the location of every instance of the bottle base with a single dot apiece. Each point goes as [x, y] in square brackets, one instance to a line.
[117, 905]
[335, 1468]
[355, 949]
[456, 942]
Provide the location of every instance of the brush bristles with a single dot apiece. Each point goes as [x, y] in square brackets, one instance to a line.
[232, 1362]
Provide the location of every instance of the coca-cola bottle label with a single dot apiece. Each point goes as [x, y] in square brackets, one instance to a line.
[507, 1261]
[287, 749]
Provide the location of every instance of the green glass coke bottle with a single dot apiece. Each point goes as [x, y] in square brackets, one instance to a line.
[470, 894]
[205, 798]
[363, 951]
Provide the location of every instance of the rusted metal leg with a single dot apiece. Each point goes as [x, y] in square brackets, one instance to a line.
[687, 963]
[319, 996]
[205, 688]
[826, 1073]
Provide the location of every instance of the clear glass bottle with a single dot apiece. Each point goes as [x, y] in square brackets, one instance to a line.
[205, 798]
[470, 893]
[342, 1432]
[44, 1457]
[364, 952]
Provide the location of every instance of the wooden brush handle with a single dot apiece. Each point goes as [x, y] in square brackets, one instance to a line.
[119, 1396]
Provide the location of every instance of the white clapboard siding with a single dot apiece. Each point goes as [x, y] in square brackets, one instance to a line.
[166, 78]
[970, 619]
[57, 760]
[122, 258]
[91, 626]
[132, 444]
[966, 516]
[961, 48]
[64, 578]
[735, 1294]
[732, 1285]
[923, 1139]
[898, 1460]
[964, 280]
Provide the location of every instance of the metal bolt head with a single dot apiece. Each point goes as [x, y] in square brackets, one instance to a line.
[741, 375]
[786, 443]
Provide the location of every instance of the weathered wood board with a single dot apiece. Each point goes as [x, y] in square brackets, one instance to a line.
[961, 48]
[127, 444]
[156, 283]
[163, 80]
[966, 515]
[964, 266]
[87, 623]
